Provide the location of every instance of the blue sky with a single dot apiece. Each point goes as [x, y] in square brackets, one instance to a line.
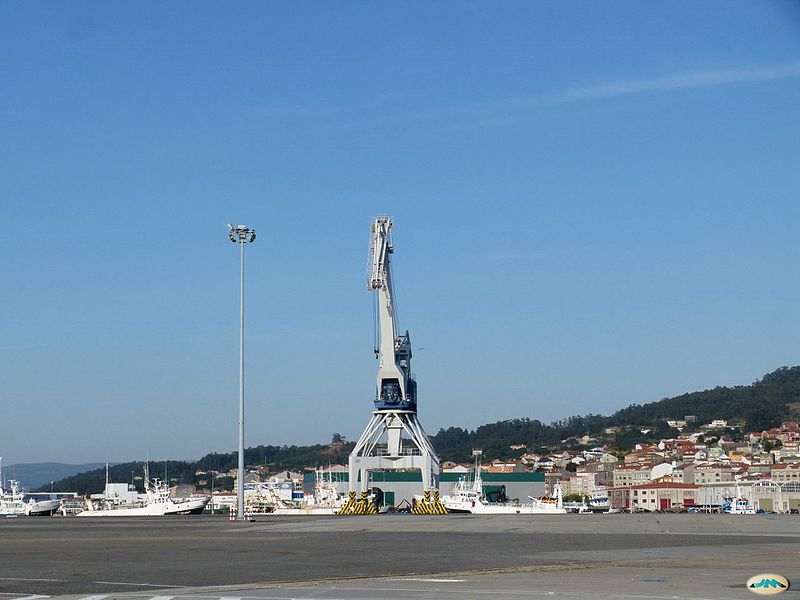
[595, 204]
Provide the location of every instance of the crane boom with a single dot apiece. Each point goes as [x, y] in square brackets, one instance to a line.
[396, 388]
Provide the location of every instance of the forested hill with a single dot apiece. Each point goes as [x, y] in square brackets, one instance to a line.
[276, 458]
[758, 406]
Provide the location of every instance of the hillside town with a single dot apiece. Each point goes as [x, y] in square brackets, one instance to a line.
[690, 470]
[697, 470]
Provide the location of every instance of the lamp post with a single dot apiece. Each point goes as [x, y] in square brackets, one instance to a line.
[241, 234]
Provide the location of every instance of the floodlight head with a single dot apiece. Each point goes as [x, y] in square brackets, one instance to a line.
[241, 233]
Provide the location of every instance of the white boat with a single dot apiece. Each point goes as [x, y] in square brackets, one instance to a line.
[467, 496]
[13, 504]
[155, 502]
[43, 508]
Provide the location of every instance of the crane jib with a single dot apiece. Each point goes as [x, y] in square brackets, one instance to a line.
[395, 386]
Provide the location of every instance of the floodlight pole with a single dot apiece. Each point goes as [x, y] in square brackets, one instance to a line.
[240, 491]
[242, 235]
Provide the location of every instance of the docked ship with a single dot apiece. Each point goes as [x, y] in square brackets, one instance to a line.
[13, 504]
[737, 505]
[468, 497]
[265, 498]
[155, 502]
[324, 501]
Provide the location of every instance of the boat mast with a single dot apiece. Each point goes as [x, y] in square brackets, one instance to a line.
[478, 484]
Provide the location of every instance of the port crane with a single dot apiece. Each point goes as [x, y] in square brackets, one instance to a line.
[394, 438]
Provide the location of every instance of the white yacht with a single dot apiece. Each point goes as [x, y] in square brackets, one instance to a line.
[43, 508]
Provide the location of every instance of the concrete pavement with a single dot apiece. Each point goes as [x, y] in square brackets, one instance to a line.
[398, 556]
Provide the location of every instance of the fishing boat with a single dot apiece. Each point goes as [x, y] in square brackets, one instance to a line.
[265, 498]
[13, 503]
[325, 500]
[468, 497]
[737, 505]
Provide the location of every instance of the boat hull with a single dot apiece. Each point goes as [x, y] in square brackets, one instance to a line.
[486, 509]
[44, 508]
[478, 507]
[314, 510]
[187, 507]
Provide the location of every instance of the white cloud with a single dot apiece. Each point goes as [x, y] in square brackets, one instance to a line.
[504, 111]
[694, 79]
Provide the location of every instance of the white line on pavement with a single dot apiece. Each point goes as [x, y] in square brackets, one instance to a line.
[511, 593]
[155, 585]
[27, 579]
[434, 580]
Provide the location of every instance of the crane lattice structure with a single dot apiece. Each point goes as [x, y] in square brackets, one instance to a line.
[394, 437]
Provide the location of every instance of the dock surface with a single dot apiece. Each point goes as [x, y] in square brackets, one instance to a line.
[398, 556]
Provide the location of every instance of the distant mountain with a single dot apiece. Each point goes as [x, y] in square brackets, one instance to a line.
[34, 475]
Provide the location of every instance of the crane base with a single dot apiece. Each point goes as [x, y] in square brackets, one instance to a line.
[412, 452]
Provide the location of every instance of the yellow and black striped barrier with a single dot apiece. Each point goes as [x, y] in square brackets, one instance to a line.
[362, 506]
[428, 505]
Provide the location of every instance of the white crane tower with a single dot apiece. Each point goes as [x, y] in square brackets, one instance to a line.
[383, 445]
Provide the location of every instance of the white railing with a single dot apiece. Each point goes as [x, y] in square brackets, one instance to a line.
[403, 452]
